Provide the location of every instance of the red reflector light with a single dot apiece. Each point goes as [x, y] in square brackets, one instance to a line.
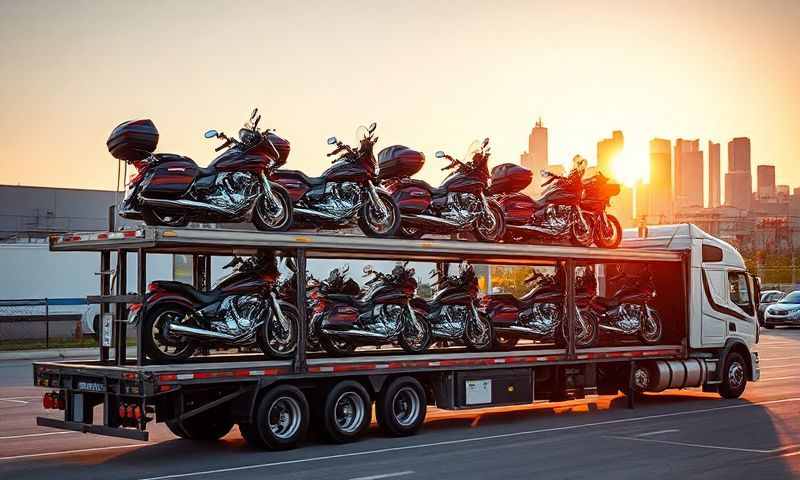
[121, 412]
[130, 411]
[134, 307]
[60, 403]
[47, 401]
[137, 412]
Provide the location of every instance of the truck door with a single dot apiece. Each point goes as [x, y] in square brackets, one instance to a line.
[743, 321]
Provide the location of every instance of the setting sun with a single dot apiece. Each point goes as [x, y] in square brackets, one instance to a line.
[631, 165]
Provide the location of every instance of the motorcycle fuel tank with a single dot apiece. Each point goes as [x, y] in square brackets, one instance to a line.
[240, 161]
[460, 182]
[346, 171]
[450, 296]
[171, 178]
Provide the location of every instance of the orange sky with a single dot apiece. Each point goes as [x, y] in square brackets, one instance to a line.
[432, 74]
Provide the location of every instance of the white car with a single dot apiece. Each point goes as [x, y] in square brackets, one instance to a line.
[784, 312]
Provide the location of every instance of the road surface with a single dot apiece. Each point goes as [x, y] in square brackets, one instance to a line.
[676, 435]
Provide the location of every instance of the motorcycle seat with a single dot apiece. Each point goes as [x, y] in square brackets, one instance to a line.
[504, 298]
[310, 181]
[435, 192]
[189, 291]
[171, 157]
[550, 292]
[606, 302]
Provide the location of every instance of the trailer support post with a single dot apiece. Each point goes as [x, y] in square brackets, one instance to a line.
[141, 284]
[569, 268]
[105, 286]
[120, 323]
[300, 351]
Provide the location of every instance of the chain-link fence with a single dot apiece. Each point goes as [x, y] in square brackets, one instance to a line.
[43, 322]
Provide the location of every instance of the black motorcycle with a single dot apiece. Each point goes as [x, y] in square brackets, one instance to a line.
[243, 310]
[173, 190]
[538, 315]
[628, 312]
[459, 205]
[381, 315]
[453, 312]
[346, 193]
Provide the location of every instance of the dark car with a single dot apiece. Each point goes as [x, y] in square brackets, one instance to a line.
[784, 312]
[768, 297]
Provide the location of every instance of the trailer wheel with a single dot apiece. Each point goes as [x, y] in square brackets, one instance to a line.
[208, 426]
[401, 407]
[282, 418]
[347, 411]
[734, 376]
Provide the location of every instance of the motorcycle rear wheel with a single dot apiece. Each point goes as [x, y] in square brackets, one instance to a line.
[153, 217]
[156, 343]
[605, 238]
[269, 221]
[279, 343]
[578, 236]
[373, 226]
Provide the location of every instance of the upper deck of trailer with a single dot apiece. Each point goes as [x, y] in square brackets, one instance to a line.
[327, 245]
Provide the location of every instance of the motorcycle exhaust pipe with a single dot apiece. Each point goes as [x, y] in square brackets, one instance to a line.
[354, 333]
[185, 204]
[532, 229]
[615, 329]
[516, 329]
[427, 220]
[200, 333]
[316, 214]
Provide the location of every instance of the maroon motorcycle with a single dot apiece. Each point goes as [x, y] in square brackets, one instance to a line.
[570, 208]
[243, 310]
[346, 193]
[459, 205]
[173, 190]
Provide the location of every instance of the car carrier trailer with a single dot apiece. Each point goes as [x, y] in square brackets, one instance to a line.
[708, 343]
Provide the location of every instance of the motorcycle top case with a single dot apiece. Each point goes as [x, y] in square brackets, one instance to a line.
[171, 178]
[509, 178]
[399, 161]
[134, 140]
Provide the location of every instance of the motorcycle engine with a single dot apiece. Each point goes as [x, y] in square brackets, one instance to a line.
[555, 217]
[452, 321]
[386, 319]
[239, 315]
[629, 317]
[340, 199]
[543, 318]
[233, 190]
[462, 208]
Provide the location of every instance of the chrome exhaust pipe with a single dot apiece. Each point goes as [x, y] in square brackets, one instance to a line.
[516, 329]
[317, 214]
[533, 229]
[429, 220]
[200, 333]
[187, 204]
[354, 333]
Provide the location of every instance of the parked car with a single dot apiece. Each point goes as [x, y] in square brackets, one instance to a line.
[784, 312]
[768, 297]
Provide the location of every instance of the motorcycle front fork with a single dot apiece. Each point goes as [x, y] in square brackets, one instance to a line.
[376, 199]
[267, 190]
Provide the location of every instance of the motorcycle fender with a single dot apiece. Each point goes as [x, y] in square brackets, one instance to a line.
[277, 189]
[160, 297]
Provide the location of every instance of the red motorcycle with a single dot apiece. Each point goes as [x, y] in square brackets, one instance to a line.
[173, 190]
[460, 204]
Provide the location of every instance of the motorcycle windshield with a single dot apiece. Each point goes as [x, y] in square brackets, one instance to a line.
[472, 149]
[362, 133]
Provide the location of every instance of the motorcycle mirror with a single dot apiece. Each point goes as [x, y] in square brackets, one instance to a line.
[439, 154]
[332, 141]
[367, 269]
[211, 134]
[372, 127]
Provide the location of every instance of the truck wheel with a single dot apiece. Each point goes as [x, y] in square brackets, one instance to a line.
[734, 376]
[282, 418]
[347, 412]
[401, 407]
[207, 426]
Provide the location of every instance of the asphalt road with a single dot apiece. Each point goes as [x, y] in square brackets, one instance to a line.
[676, 434]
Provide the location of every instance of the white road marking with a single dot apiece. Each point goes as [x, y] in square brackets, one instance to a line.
[384, 475]
[68, 452]
[28, 435]
[468, 440]
[19, 398]
[779, 378]
[779, 366]
[777, 358]
[700, 445]
[14, 401]
[658, 432]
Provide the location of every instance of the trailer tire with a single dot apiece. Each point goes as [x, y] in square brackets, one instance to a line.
[347, 412]
[282, 417]
[401, 407]
[734, 376]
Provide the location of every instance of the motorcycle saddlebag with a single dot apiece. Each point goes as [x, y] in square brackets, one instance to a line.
[410, 196]
[171, 178]
[399, 161]
[509, 178]
[501, 308]
[340, 316]
[133, 140]
[517, 207]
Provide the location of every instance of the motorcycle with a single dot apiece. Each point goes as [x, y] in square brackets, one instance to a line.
[460, 204]
[538, 315]
[173, 190]
[629, 312]
[346, 192]
[381, 315]
[453, 311]
[564, 211]
[242, 310]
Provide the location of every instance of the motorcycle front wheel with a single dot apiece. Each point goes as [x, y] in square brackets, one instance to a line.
[651, 328]
[581, 235]
[416, 339]
[157, 218]
[586, 336]
[280, 340]
[374, 224]
[159, 344]
[608, 236]
[479, 333]
[277, 217]
[491, 229]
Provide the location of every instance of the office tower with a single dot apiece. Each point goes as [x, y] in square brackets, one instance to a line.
[535, 159]
[659, 205]
[714, 175]
[782, 193]
[739, 174]
[765, 180]
[608, 150]
[688, 174]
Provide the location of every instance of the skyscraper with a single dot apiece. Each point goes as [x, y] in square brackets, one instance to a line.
[535, 159]
[688, 174]
[739, 175]
[660, 188]
[714, 175]
[765, 180]
[608, 149]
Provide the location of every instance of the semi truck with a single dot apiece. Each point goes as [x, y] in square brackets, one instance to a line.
[706, 300]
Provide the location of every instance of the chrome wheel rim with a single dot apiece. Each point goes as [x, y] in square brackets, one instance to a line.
[478, 332]
[275, 215]
[586, 332]
[378, 223]
[349, 412]
[489, 226]
[735, 375]
[283, 417]
[406, 406]
[641, 379]
[651, 327]
[167, 343]
[282, 338]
